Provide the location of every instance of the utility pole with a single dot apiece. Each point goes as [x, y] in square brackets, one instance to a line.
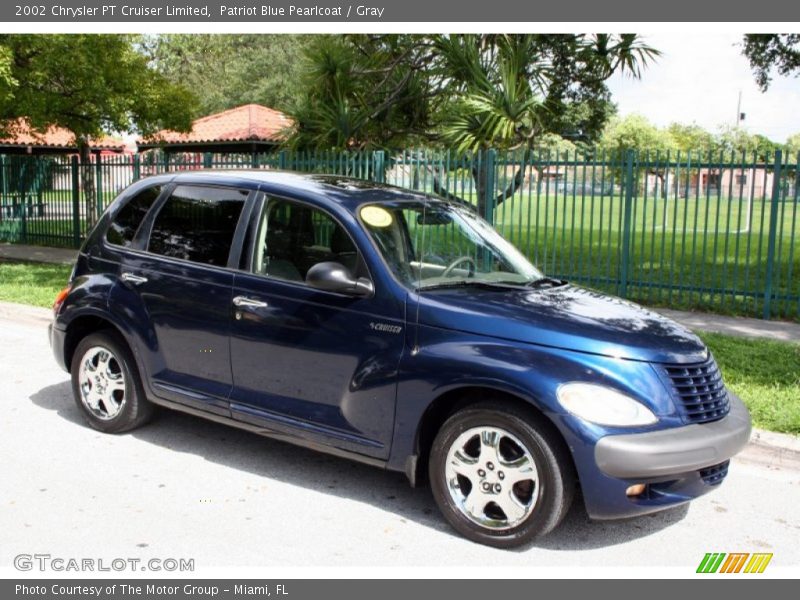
[739, 114]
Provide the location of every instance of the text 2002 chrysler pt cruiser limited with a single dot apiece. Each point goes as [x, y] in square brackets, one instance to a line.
[382, 325]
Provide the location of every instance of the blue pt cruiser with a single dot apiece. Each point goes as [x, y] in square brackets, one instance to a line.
[396, 329]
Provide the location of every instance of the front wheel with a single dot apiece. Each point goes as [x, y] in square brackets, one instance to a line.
[500, 477]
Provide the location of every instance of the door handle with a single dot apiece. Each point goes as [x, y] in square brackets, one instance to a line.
[245, 302]
[134, 279]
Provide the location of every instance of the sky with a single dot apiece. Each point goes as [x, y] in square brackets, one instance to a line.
[698, 79]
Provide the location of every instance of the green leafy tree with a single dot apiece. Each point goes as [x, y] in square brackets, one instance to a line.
[471, 92]
[227, 70]
[768, 52]
[554, 143]
[765, 148]
[737, 142]
[365, 92]
[635, 132]
[691, 138]
[7, 81]
[88, 84]
[793, 145]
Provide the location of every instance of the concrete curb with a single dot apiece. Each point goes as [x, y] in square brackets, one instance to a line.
[23, 312]
[771, 439]
[774, 450]
[782, 448]
[767, 447]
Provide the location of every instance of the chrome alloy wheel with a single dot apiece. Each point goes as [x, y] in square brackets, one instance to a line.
[101, 383]
[492, 477]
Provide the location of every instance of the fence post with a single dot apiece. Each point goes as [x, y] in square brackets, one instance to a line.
[627, 225]
[98, 186]
[379, 173]
[4, 175]
[137, 167]
[208, 160]
[23, 201]
[773, 231]
[282, 162]
[76, 203]
[488, 168]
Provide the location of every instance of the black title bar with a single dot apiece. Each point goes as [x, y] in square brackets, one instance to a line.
[377, 11]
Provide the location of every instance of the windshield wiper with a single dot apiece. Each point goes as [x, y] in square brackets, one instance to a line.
[545, 282]
[463, 283]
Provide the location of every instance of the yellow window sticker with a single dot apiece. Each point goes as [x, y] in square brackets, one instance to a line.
[375, 216]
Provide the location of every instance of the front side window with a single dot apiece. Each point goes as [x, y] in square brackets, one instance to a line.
[123, 227]
[293, 237]
[431, 244]
[197, 224]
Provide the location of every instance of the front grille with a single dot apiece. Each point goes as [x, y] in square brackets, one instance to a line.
[702, 396]
[714, 475]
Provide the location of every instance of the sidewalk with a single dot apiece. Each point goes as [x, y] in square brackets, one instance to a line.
[736, 326]
[783, 331]
[63, 256]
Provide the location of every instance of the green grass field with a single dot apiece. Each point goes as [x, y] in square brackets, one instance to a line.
[765, 375]
[32, 283]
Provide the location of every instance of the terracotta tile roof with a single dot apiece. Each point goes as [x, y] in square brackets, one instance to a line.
[57, 138]
[251, 122]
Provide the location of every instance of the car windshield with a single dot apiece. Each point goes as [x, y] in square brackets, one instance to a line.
[433, 244]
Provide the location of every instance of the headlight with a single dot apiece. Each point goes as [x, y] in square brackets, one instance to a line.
[603, 406]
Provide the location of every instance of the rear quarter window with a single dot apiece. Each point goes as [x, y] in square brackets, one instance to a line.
[124, 225]
[198, 224]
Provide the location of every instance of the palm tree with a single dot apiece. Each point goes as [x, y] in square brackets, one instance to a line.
[501, 88]
[468, 92]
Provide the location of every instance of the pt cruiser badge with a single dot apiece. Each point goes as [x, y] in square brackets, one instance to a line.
[385, 328]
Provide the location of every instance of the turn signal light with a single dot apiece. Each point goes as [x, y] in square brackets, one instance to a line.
[60, 297]
[635, 490]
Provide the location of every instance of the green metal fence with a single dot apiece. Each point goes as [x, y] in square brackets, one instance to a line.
[684, 230]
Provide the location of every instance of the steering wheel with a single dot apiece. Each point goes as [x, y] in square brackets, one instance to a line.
[460, 260]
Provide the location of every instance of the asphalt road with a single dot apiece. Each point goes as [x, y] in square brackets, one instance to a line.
[185, 487]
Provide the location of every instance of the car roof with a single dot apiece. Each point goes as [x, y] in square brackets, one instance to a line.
[348, 191]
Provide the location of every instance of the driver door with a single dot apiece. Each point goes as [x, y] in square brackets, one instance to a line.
[310, 362]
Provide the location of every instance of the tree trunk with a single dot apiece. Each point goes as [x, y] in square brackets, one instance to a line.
[87, 181]
[480, 175]
[481, 172]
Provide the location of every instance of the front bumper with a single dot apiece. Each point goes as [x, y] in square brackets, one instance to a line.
[677, 464]
[679, 450]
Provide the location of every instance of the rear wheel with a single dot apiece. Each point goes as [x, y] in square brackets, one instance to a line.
[106, 384]
[500, 477]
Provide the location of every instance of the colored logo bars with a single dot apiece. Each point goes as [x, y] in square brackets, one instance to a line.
[735, 562]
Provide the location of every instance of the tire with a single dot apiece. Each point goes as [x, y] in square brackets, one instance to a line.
[106, 384]
[520, 467]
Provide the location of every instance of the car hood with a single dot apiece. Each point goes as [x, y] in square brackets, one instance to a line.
[566, 317]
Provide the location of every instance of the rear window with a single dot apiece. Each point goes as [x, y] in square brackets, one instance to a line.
[197, 224]
[124, 225]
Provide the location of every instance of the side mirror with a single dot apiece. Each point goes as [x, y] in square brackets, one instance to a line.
[335, 277]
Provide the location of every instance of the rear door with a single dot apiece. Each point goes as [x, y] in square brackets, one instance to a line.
[184, 283]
